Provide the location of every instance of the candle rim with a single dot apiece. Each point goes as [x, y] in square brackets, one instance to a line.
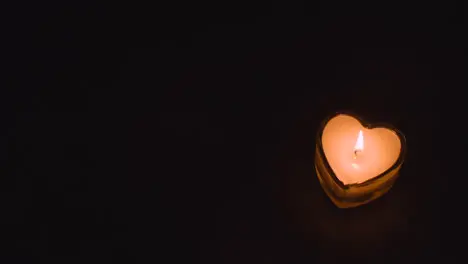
[366, 125]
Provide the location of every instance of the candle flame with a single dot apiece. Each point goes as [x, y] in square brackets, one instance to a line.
[359, 142]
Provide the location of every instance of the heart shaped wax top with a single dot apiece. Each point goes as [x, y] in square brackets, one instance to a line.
[357, 154]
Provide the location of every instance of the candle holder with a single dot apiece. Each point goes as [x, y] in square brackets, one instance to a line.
[352, 195]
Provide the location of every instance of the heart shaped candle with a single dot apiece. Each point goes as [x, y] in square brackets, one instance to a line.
[357, 163]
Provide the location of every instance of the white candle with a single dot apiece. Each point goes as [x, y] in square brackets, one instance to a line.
[357, 163]
[357, 154]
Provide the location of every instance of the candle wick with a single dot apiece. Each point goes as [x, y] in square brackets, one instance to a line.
[355, 153]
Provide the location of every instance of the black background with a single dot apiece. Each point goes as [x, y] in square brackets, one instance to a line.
[201, 148]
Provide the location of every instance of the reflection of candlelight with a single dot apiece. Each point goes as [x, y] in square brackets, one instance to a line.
[359, 144]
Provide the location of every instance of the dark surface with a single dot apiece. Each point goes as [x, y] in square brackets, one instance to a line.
[202, 148]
